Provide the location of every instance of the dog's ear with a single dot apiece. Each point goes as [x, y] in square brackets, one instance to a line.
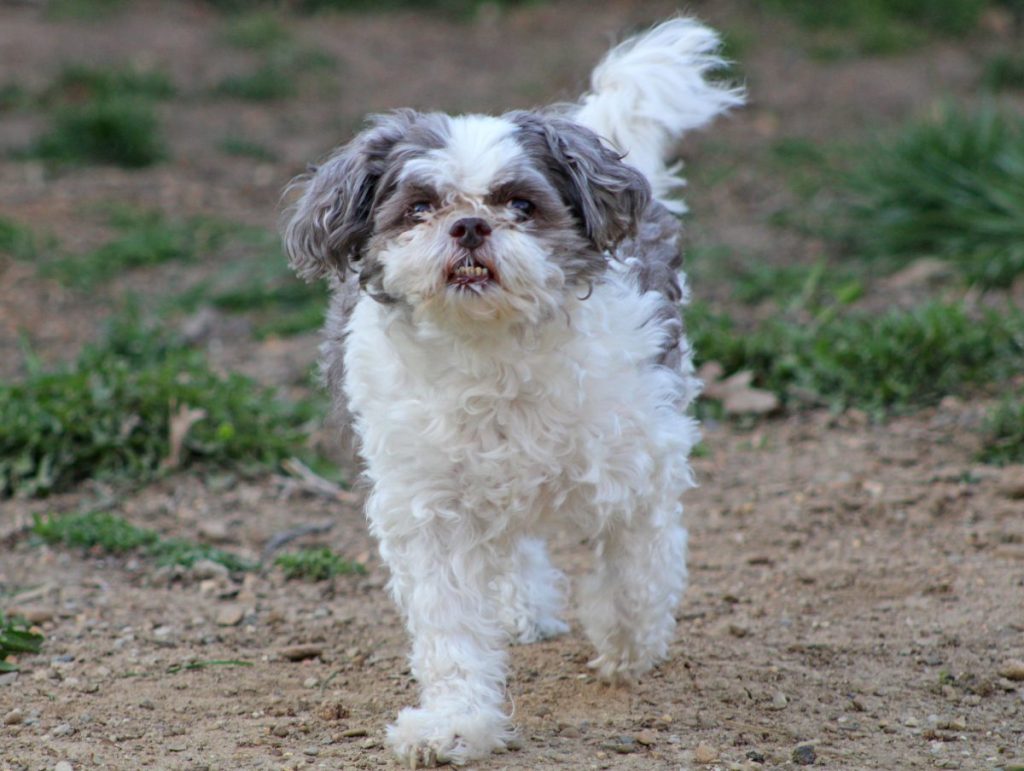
[608, 197]
[328, 227]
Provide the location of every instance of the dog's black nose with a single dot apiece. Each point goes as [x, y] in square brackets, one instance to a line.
[470, 232]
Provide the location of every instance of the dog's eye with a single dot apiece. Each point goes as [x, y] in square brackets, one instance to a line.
[521, 206]
[420, 208]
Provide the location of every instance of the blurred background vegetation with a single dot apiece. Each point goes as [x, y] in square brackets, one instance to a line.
[850, 249]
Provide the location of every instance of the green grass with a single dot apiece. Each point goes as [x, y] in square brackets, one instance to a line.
[797, 287]
[145, 238]
[17, 240]
[279, 76]
[246, 148]
[104, 533]
[850, 27]
[118, 130]
[949, 188]
[16, 638]
[108, 414]
[1003, 432]
[1004, 72]
[258, 30]
[263, 288]
[893, 361]
[316, 565]
[79, 82]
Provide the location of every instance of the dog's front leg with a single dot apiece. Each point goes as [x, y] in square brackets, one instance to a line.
[458, 651]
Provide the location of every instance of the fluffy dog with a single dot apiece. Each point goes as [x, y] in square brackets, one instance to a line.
[505, 334]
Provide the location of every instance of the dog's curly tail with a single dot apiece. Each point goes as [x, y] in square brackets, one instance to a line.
[651, 89]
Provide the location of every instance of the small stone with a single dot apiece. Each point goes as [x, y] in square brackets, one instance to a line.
[1012, 670]
[755, 756]
[205, 570]
[369, 744]
[14, 717]
[804, 754]
[620, 744]
[738, 630]
[953, 724]
[351, 733]
[311, 751]
[705, 754]
[646, 738]
[333, 709]
[570, 732]
[911, 722]
[301, 652]
[1011, 483]
[779, 700]
[230, 615]
[280, 730]
[34, 614]
[63, 765]
[310, 682]
[64, 729]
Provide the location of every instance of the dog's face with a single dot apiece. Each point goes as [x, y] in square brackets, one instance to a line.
[467, 218]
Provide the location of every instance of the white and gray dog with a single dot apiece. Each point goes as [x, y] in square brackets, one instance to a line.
[505, 335]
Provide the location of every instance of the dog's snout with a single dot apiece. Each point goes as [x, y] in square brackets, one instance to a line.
[470, 232]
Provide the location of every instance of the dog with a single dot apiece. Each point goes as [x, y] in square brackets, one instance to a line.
[505, 336]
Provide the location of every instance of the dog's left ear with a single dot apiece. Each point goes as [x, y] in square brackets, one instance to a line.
[608, 197]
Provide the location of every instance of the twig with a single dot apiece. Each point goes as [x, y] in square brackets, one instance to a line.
[287, 536]
[311, 482]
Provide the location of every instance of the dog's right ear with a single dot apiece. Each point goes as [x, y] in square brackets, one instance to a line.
[328, 227]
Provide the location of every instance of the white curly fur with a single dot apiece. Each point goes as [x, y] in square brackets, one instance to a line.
[485, 417]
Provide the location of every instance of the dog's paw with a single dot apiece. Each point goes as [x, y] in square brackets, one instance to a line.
[541, 629]
[423, 738]
[624, 668]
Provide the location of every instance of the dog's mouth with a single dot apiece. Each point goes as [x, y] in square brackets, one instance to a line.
[471, 271]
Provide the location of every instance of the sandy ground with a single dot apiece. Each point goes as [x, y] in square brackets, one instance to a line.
[855, 586]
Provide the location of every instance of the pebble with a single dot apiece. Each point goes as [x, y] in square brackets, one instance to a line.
[310, 682]
[14, 717]
[280, 730]
[64, 729]
[620, 744]
[705, 753]
[34, 614]
[646, 738]
[63, 765]
[311, 751]
[333, 709]
[570, 732]
[300, 652]
[8, 678]
[230, 615]
[755, 756]
[1012, 670]
[354, 732]
[804, 754]
[779, 700]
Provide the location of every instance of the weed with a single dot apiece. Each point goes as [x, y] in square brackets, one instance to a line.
[1004, 72]
[105, 533]
[146, 238]
[77, 83]
[233, 145]
[845, 27]
[108, 415]
[206, 664]
[949, 188]
[1003, 432]
[117, 130]
[896, 360]
[13, 97]
[316, 565]
[16, 637]
[93, 531]
[16, 240]
[279, 75]
[258, 30]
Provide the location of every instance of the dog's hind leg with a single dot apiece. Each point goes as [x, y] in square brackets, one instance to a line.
[628, 604]
[531, 594]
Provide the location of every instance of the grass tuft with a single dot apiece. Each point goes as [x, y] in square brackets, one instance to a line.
[108, 415]
[77, 83]
[316, 565]
[118, 131]
[259, 30]
[146, 238]
[17, 240]
[16, 637]
[1004, 72]
[895, 361]
[1003, 432]
[104, 533]
[246, 148]
[948, 188]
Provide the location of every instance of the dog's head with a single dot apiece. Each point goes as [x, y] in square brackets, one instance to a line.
[468, 217]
